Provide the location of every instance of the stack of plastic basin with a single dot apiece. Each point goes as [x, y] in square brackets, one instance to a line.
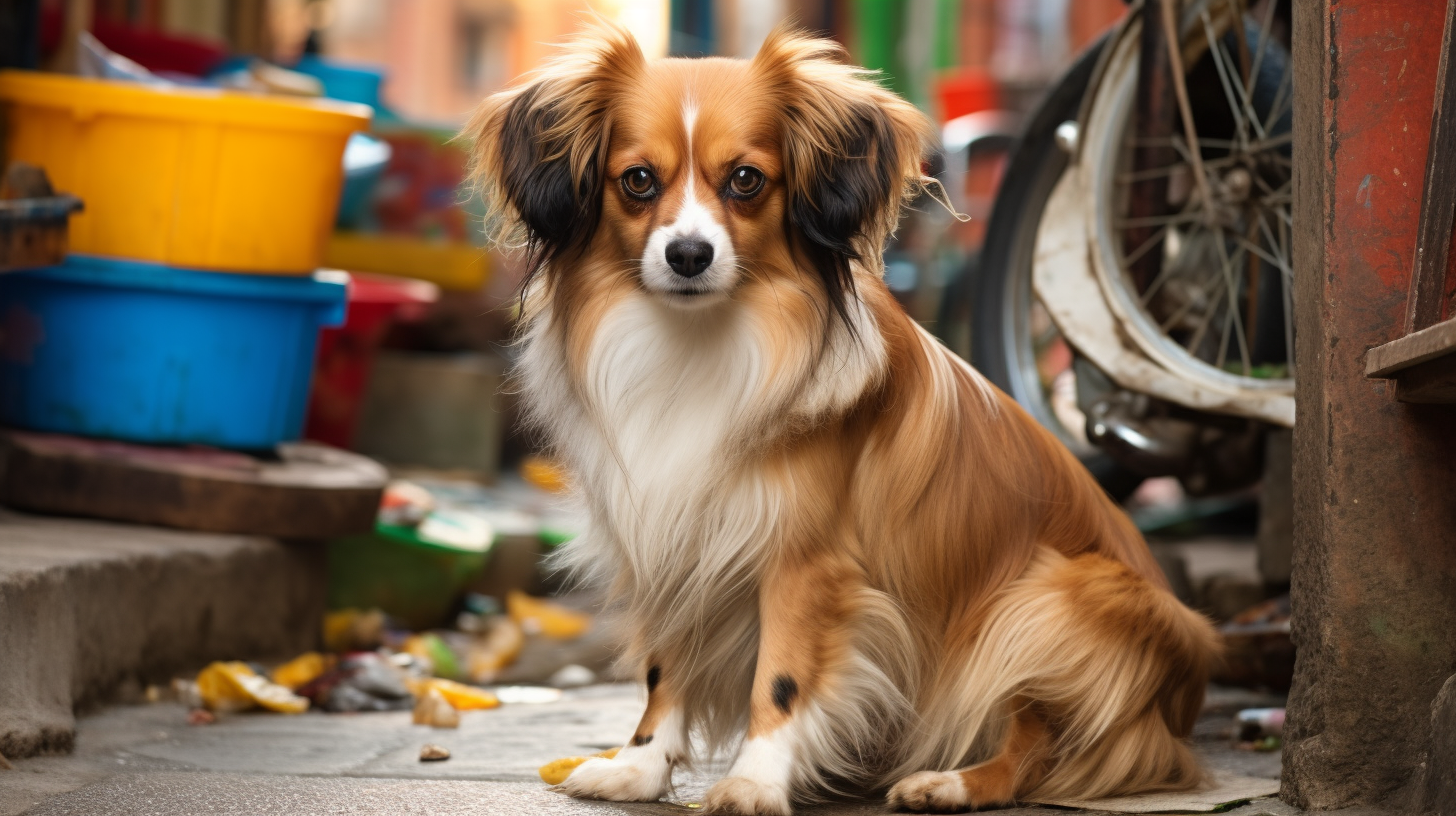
[192, 313]
[347, 353]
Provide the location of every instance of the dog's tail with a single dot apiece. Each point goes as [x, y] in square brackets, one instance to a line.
[1116, 665]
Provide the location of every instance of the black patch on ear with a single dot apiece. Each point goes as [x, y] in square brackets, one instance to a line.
[638, 739]
[784, 692]
[844, 198]
[559, 214]
[653, 675]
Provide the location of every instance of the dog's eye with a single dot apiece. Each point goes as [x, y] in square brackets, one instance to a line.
[639, 183]
[745, 182]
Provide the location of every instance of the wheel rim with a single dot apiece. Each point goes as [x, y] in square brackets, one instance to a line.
[1040, 364]
[1226, 247]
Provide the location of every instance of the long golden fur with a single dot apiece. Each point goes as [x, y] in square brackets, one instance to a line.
[839, 551]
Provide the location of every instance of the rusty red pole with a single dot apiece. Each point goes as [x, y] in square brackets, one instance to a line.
[1374, 581]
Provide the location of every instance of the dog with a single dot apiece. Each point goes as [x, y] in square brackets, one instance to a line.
[840, 554]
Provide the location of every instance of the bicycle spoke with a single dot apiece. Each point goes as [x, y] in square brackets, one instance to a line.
[1151, 173]
[1276, 108]
[1231, 280]
[1223, 339]
[1278, 140]
[1208, 316]
[1255, 249]
[1179, 141]
[1240, 107]
[1264, 37]
[1130, 177]
[1182, 312]
[1163, 275]
[1153, 240]
[1280, 259]
[1184, 217]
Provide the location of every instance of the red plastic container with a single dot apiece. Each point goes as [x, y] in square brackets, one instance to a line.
[967, 91]
[346, 354]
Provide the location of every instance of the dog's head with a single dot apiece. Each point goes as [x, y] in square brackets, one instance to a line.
[692, 180]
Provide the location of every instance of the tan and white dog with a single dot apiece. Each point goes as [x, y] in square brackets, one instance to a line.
[839, 551]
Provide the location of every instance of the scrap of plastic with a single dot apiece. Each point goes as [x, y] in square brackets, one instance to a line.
[1255, 723]
[556, 771]
[405, 504]
[550, 619]
[458, 695]
[573, 675]
[435, 711]
[375, 674]
[366, 681]
[495, 650]
[435, 652]
[527, 695]
[348, 630]
[233, 686]
[301, 670]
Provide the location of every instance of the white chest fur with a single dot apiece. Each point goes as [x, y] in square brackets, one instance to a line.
[662, 429]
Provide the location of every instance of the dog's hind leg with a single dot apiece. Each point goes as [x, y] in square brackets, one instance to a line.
[1018, 767]
[1115, 667]
[642, 769]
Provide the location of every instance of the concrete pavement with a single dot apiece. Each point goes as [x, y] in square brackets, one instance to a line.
[145, 759]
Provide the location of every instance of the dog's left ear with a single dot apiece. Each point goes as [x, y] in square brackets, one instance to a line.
[540, 147]
[852, 154]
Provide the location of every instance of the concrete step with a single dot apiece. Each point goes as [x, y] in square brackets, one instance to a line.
[94, 611]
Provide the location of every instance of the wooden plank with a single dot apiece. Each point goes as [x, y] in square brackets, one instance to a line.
[1431, 382]
[1438, 203]
[309, 492]
[1413, 349]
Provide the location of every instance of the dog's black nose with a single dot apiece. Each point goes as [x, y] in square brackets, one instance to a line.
[689, 256]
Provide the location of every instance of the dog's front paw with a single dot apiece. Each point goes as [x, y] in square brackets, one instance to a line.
[741, 796]
[618, 780]
[930, 792]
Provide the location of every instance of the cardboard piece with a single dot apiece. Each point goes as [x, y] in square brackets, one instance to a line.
[1223, 790]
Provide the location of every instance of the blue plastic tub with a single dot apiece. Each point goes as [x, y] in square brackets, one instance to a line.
[153, 354]
[346, 81]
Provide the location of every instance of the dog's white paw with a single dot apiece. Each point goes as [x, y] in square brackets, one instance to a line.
[741, 796]
[930, 792]
[619, 780]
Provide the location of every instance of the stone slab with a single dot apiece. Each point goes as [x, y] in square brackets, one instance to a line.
[90, 610]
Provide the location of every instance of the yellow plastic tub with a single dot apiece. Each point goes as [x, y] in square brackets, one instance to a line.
[455, 266]
[194, 178]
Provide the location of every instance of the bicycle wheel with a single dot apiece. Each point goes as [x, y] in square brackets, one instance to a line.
[1214, 306]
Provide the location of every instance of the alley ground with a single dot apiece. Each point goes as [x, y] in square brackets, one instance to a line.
[146, 759]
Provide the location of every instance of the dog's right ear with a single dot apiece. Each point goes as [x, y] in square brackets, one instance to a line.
[540, 147]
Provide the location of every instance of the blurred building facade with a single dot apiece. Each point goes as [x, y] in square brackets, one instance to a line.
[443, 56]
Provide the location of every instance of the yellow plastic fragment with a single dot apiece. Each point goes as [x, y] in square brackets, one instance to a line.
[300, 670]
[550, 619]
[556, 771]
[232, 686]
[459, 695]
[348, 630]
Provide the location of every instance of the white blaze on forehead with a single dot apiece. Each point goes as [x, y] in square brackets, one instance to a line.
[690, 120]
